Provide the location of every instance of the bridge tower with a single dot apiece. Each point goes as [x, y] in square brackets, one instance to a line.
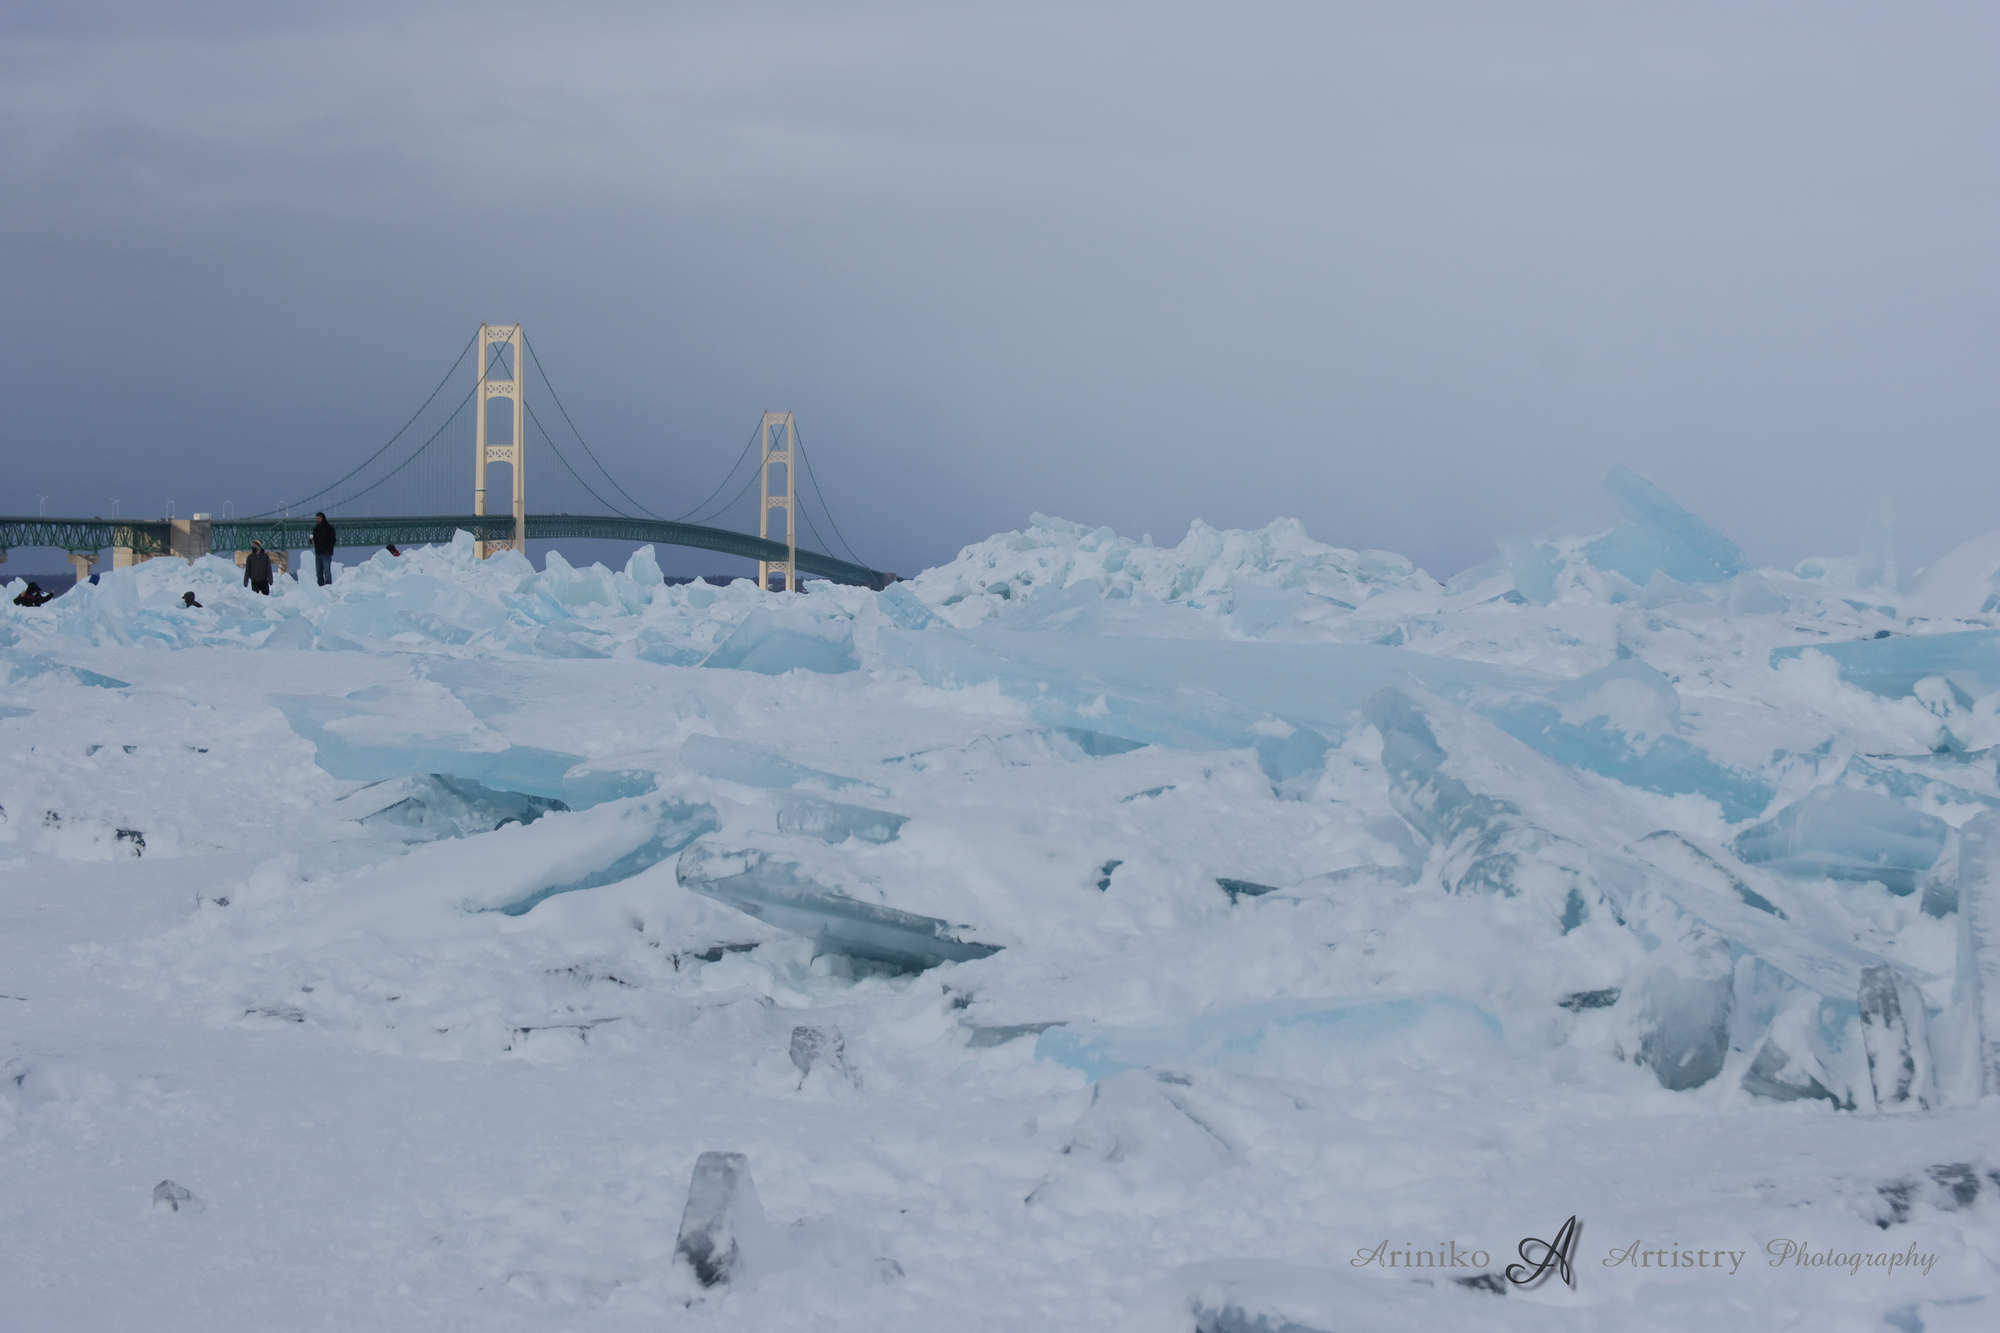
[513, 452]
[778, 456]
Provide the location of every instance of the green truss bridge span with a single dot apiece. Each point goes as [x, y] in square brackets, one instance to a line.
[411, 490]
[158, 538]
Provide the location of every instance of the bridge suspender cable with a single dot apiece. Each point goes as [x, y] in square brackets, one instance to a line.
[824, 507]
[299, 503]
[557, 400]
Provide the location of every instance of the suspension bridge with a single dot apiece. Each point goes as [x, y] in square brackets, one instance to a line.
[403, 494]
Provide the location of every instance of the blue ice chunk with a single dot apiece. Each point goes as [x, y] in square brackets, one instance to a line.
[1098, 745]
[294, 634]
[518, 768]
[679, 823]
[662, 651]
[1687, 548]
[759, 766]
[1847, 833]
[644, 568]
[1685, 1001]
[833, 821]
[1255, 610]
[1914, 789]
[771, 645]
[785, 895]
[1535, 566]
[1490, 841]
[1643, 752]
[904, 609]
[1235, 1036]
[1675, 854]
[1892, 667]
[438, 805]
[1281, 700]
[1318, 685]
[551, 642]
[1634, 550]
[17, 665]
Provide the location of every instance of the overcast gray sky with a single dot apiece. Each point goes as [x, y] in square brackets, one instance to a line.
[1415, 273]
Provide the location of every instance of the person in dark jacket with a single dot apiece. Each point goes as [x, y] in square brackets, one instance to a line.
[257, 569]
[323, 549]
[187, 600]
[32, 595]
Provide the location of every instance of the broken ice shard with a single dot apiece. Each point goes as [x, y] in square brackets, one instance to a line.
[783, 893]
[724, 1234]
[1847, 833]
[1894, 1036]
[772, 645]
[832, 821]
[999, 1034]
[391, 732]
[1676, 855]
[1969, 1032]
[820, 1047]
[676, 824]
[1231, 1037]
[1490, 841]
[174, 1198]
[1239, 889]
[759, 766]
[1663, 536]
[1969, 662]
[1686, 997]
[1619, 722]
[439, 805]
[904, 609]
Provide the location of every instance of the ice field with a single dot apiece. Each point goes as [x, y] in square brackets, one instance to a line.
[1241, 936]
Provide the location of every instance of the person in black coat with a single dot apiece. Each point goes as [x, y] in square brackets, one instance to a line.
[323, 542]
[32, 595]
[257, 569]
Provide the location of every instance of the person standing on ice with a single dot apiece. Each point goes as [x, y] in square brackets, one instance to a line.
[257, 569]
[323, 549]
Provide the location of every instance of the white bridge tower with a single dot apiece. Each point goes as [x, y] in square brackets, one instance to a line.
[514, 452]
[779, 456]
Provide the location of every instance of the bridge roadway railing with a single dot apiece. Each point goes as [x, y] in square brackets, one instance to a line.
[295, 534]
[86, 534]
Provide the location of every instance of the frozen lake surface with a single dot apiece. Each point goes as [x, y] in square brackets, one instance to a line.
[1243, 935]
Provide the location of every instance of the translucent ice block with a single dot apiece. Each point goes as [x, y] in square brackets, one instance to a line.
[781, 892]
[772, 645]
[1892, 667]
[1847, 833]
[760, 766]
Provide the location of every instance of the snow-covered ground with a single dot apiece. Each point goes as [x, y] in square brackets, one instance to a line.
[1245, 935]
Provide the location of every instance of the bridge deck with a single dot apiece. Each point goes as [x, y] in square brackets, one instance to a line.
[155, 538]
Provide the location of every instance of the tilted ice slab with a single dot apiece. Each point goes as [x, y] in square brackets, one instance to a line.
[1848, 833]
[1245, 1038]
[420, 727]
[1620, 721]
[771, 645]
[1658, 540]
[780, 890]
[1969, 661]
[436, 805]
[761, 766]
[1727, 981]
[1281, 700]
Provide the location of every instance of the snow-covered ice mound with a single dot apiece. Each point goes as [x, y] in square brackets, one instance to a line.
[1213, 917]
